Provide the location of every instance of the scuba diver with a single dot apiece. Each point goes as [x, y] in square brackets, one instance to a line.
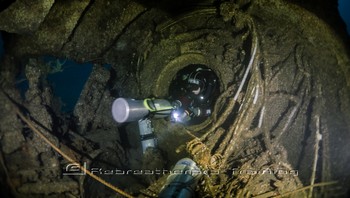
[192, 92]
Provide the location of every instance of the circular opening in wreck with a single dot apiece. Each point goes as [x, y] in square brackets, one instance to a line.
[194, 89]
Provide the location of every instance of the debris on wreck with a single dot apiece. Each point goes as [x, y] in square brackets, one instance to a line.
[251, 97]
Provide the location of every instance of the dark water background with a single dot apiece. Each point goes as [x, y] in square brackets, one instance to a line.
[68, 84]
[344, 11]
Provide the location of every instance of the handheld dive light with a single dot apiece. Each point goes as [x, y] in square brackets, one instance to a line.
[182, 181]
[129, 110]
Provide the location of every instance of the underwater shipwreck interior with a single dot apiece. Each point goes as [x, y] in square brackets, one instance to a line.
[211, 98]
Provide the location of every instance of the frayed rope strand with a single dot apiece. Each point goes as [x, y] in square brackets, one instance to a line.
[82, 168]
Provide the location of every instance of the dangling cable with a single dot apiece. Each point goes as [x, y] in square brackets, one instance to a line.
[65, 156]
[82, 168]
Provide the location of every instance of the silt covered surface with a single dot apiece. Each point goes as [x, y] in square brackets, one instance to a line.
[284, 102]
